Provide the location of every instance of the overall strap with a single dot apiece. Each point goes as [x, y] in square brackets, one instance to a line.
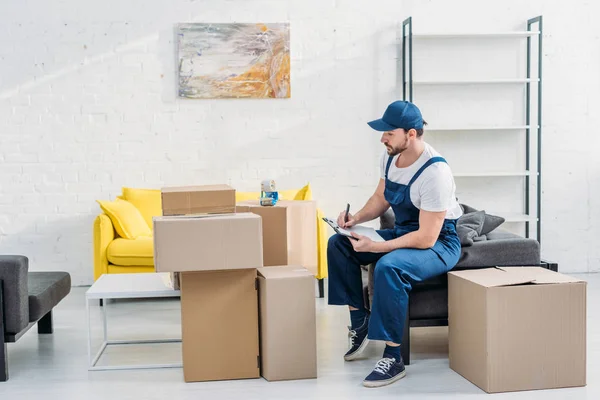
[387, 168]
[432, 160]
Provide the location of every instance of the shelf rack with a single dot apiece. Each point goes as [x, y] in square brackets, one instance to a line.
[530, 126]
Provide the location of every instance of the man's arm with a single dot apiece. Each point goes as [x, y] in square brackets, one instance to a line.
[375, 206]
[430, 225]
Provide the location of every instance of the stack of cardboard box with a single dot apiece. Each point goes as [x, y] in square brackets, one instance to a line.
[218, 254]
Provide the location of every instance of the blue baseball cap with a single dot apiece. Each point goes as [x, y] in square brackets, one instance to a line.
[399, 114]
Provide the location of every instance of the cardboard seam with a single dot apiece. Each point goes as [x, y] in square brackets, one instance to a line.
[487, 339]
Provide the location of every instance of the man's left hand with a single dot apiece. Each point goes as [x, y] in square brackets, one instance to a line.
[363, 244]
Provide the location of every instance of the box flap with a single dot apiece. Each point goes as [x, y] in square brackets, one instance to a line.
[204, 188]
[250, 203]
[282, 272]
[511, 276]
[256, 203]
[280, 203]
[241, 215]
[545, 276]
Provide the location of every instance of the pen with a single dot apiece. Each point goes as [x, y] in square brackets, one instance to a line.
[347, 211]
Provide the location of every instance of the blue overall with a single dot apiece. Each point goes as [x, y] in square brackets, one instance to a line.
[396, 271]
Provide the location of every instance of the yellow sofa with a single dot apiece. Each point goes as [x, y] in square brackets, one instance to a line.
[114, 254]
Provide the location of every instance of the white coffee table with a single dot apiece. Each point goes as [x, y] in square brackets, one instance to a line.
[126, 286]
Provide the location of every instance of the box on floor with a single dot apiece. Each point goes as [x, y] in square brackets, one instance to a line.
[216, 257]
[288, 342]
[219, 315]
[517, 328]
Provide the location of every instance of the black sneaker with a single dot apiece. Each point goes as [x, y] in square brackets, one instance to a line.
[387, 371]
[358, 340]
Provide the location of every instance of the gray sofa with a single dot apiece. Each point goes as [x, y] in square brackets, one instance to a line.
[428, 301]
[26, 298]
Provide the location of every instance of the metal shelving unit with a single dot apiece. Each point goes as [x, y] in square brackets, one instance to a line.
[461, 35]
[474, 82]
[481, 128]
[408, 84]
[492, 174]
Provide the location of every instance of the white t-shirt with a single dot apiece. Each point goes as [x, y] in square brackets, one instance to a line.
[434, 190]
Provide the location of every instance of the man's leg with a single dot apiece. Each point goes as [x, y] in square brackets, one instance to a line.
[393, 278]
[344, 272]
[346, 288]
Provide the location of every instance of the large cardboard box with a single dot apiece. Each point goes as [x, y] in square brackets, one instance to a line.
[517, 328]
[208, 199]
[288, 339]
[289, 232]
[207, 242]
[219, 320]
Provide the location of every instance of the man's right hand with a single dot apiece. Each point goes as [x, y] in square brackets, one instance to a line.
[346, 224]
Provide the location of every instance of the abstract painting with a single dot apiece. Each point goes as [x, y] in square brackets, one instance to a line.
[234, 60]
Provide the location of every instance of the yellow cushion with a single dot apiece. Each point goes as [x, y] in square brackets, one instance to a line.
[126, 252]
[297, 194]
[130, 269]
[148, 201]
[303, 193]
[127, 219]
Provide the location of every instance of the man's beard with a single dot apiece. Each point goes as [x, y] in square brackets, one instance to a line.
[394, 151]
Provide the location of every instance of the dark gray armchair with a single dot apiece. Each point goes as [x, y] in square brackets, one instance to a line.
[428, 301]
[26, 298]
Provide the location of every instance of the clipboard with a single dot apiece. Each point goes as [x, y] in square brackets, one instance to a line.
[360, 230]
[337, 228]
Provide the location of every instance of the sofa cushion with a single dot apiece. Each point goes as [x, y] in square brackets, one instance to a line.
[440, 281]
[490, 223]
[469, 227]
[46, 290]
[501, 249]
[126, 218]
[129, 252]
[147, 201]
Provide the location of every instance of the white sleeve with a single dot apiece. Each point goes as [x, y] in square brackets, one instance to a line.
[382, 164]
[437, 188]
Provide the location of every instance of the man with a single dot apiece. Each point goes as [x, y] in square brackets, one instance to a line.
[418, 184]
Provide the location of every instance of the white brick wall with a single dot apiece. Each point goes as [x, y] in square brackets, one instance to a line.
[87, 105]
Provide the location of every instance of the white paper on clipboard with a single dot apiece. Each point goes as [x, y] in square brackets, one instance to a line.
[361, 230]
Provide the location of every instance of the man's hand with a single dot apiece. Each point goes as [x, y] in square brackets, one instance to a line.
[346, 224]
[363, 244]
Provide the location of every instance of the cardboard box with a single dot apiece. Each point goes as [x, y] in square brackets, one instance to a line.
[187, 200]
[219, 321]
[289, 232]
[207, 242]
[517, 328]
[288, 338]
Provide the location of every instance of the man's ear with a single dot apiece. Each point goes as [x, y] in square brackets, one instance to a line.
[412, 133]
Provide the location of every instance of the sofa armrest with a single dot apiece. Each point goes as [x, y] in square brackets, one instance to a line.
[516, 251]
[13, 277]
[104, 234]
[322, 239]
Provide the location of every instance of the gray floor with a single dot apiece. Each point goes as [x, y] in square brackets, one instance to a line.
[55, 366]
